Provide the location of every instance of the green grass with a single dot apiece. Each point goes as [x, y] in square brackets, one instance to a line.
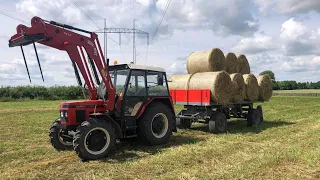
[300, 92]
[286, 146]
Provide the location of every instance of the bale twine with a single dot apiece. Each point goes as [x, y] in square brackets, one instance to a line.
[179, 81]
[265, 88]
[238, 87]
[232, 64]
[206, 61]
[218, 82]
[252, 87]
[244, 67]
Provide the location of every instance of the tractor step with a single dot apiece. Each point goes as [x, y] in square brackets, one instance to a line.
[132, 136]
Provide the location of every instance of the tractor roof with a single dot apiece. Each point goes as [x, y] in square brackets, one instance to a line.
[136, 66]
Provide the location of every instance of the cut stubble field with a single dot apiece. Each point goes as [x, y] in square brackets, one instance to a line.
[285, 146]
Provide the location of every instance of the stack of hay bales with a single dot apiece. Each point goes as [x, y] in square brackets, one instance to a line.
[210, 70]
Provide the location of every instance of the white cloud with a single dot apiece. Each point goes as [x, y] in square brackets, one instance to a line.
[182, 14]
[256, 44]
[298, 39]
[288, 6]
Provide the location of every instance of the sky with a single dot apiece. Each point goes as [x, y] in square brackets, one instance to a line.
[282, 36]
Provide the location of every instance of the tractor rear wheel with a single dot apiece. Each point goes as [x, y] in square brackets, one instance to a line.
[94, 139]
[218, 123]
[183, 123]
[254, 118]
[59, 137]
[156, 124]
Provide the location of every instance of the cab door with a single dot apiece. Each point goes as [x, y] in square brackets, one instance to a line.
[136, 93]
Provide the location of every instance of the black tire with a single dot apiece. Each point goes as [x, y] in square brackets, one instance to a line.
[259, 108]
[58, 141]
[94, 139]
[254, 118]
[183, 123]
[156, 124]
[218, 123]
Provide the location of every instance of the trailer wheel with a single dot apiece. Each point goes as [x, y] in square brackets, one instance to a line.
[59, 138]
[254, 117]
[259, 108]
[183, 123]
[156, 124]
[94, 139]
[218, 123]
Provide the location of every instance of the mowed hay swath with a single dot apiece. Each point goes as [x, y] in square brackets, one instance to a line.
[244, 67]
[238, 87]
[231, 63]
[265, 88]
[252, 87]
[206, 61]
[179, 81]
[219, 84]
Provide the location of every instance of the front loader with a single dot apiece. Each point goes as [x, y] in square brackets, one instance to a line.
[125, 100]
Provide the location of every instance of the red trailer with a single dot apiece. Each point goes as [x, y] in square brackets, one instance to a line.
[199, 108]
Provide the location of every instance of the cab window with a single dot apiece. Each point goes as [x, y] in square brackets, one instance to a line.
[119, 78]
[156, 82]
[137, 84]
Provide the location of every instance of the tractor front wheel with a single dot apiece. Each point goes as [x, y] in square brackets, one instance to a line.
[94, 139]
[59, 137]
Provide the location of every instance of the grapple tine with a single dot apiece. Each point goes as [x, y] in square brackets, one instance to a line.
[35, 50]
[25, 62]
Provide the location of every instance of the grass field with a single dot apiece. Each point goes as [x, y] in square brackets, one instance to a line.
[286, 146]
[300, 92]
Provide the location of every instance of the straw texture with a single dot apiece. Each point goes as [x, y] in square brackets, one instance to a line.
[265, 88]
[232, 64]
[206, 61]
[218, 82]
[244, 67]
[238, 87]
[252, 87]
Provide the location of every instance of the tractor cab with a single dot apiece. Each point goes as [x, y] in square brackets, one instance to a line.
[137, 85]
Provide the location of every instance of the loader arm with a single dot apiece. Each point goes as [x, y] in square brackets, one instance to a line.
[58, 36]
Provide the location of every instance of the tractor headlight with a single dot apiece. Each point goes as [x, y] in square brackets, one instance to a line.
[61, 113]
[66, 114]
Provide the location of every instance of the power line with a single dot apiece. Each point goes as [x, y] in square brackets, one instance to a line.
[77, 6]
[13, 17]
[161, 19]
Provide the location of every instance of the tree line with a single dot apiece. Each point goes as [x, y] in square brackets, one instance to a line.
[40, 93]
[290, 85]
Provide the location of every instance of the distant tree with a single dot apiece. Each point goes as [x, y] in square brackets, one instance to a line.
[269, 73]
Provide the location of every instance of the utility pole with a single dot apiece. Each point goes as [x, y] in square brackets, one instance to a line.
[134, 42]
[119, 31]
[105, 40]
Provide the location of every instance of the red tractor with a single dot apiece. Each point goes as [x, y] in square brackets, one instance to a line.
[125, 100]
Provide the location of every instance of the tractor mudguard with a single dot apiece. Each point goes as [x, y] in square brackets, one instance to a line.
[106, 117]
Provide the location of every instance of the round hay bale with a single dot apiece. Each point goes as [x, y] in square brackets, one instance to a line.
[238, 87]
[179, 81]
[244, 67]
[206, 61]
[232, 64]
[252, 87]
[218, 82]
[265, 88]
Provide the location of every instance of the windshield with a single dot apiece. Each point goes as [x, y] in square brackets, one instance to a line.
[119, 78]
